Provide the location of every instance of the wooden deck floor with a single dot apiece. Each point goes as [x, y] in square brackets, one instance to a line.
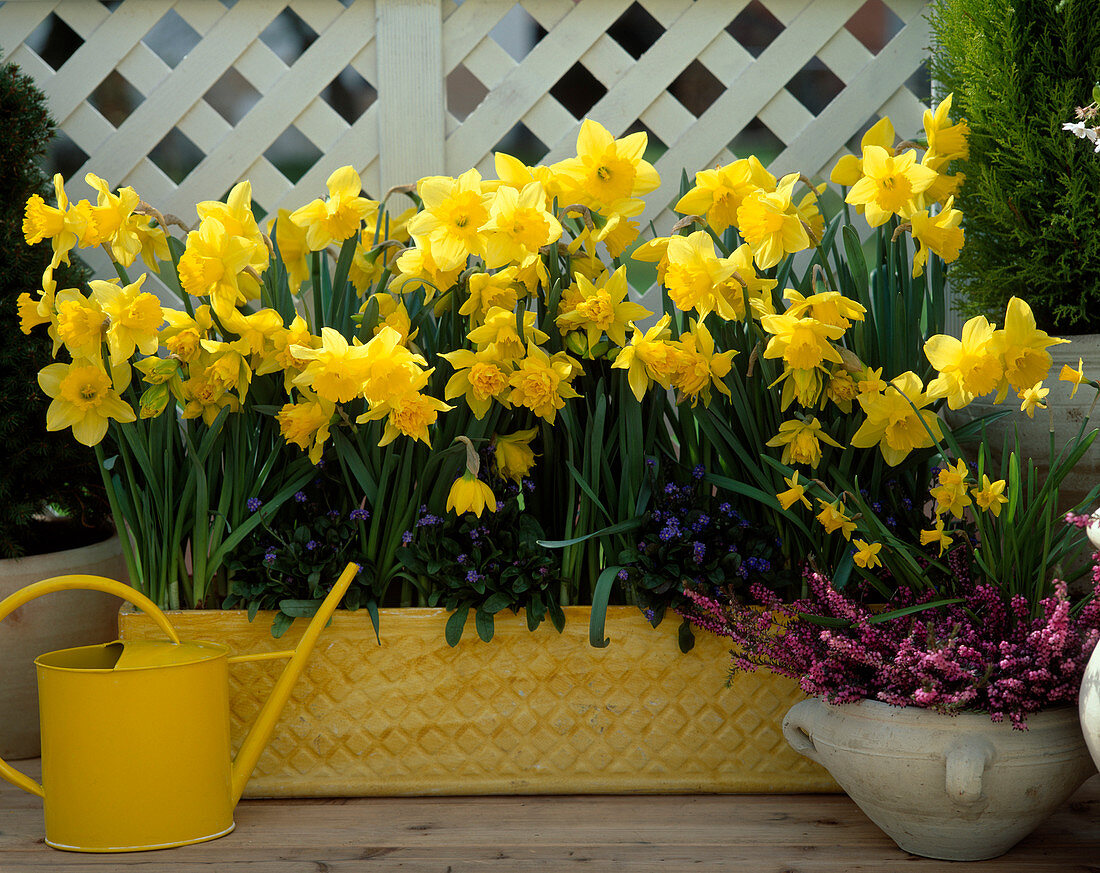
[662, 834]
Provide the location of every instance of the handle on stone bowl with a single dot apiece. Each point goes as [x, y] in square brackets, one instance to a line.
[798, 727]
[966, 763]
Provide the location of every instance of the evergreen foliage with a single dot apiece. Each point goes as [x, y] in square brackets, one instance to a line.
[1018, 69]
[39, 469]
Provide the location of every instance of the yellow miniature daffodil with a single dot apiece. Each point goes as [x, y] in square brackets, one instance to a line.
[83, 397]
[795, 493]
[211, 265]
[182, 335]
[729, 296]
[937, 535]
[81, 324]
[946, 139]
[609, 174]
[518, 226]
[513, 453]
[62, 225]
[698, 367]
[892, 421]
[967, 368]
[801, 441]
[470, 494]
[833, 518]
[409, 414]
[803, 343]
[1032, 398]
[866, 555]
[693, 271]
[651, 355]
[990, 496]
[1068, 374]
[889, 184]
[488, 290]
[498, 335]
[849, 169]
[338, 217]
[828, 307]
[951, 493]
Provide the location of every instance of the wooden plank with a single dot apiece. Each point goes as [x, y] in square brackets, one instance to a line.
[467, 26]
[411, 90]
[18, 21]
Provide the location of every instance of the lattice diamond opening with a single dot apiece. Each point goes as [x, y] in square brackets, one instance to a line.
[874, 24]
[655, 146]
[350, 94]
[115, 98]
[176, 155]
[64, 156]
[920, 83]
[755, 28]
[232, 96]
[578, 90]
[636, 30]
[521, 143]
[293, 154]
[53, 41]
[464, 92]
[288, 36]
[756, 138]
[171, 38]
[815, 86]
[517, 33]
[696, 88]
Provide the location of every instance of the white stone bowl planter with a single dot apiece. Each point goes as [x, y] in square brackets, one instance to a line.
[959, 787]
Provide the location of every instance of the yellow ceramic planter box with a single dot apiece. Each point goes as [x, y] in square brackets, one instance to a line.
[528, 713]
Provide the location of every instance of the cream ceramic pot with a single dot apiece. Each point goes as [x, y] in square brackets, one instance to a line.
[960, 788]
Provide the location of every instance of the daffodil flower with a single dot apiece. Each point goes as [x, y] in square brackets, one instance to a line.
[513, 453]
[84, 398]
[1076, 377]
[794, 494]
[866, 554]
[991, 495]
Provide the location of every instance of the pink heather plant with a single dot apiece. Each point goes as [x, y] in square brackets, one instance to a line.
[985, 653]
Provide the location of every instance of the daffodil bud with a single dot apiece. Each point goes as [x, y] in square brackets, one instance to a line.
[577, 343]
[157, 371]
[153, 401]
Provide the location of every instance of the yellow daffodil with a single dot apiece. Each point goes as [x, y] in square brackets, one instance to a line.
[699, 367]
[951, 493]
[34, 311]
[1032, 398]
[513, 453]
[991, 495]
[946, 139]
[489, 290]
[615, 231]
[866, 555]
[306, 423]
[795, 493]
[602, 308]
[651, 355]
[498, 335]
[62, 225]
[135, 317]
[235, 216]
[693, 271]
[409, 414]
[944, 187]
[655, 251]
[479, 377]
[225, 366]
[828, 307]
[378, 246]
[967, 368]
[842, 389]
[337, 218]
[870, 381]
[801, 441]
[833, 518]
[1068, 374]
[418, 268]
[936, 535]
[336, 372]
[293, 249]
[729, 296]
[889, 184]
[609, 174]
[205, 394]
[83, 397]
[849, 169]
[280, 355]
[770, 225]
[256, 329]
[470, 494]
[803, 343]
[518, 226]
[212, 263]
[182, 335]
[1023, 348]
[940, 234]
[892, 421]
[718, 193]
[452, 217]
[391, 371]
[543, 383]
[81, 324]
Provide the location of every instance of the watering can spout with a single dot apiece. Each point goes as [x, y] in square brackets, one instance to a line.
[260, 732]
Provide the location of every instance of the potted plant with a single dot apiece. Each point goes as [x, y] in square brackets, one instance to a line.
[926, 669]
[1018, 70]
[54, 517]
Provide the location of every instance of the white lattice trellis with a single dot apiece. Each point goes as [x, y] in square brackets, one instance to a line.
[408, 50]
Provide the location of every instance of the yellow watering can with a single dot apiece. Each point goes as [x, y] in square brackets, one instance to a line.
[135, 734]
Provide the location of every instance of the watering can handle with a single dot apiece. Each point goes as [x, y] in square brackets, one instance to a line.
[68, 583]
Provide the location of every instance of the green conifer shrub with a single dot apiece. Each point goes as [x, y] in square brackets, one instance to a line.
[1018, 69]
[40, 472]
